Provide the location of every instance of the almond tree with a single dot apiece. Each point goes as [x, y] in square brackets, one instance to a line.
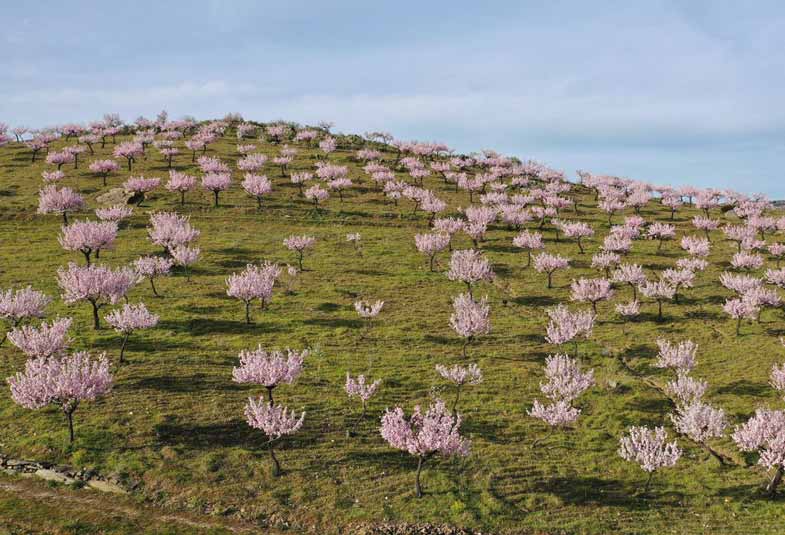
[128, 319]
[65, 382]
[425, 435]
[98, 285]
[17, 306]
[650, 449]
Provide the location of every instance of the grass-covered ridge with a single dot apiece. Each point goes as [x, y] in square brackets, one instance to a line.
[174, 420]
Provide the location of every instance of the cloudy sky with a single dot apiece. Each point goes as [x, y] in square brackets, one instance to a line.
[671, 92]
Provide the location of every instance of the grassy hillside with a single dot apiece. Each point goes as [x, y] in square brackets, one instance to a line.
[174, 421]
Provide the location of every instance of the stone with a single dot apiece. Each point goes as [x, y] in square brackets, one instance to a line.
[115, 196]
[51, 475]
[105, 486]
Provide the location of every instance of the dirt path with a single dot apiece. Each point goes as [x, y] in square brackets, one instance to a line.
[101, 507]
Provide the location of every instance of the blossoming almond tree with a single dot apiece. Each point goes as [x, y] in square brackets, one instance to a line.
[275, 421]
[650, 449]
[460, 376]
[65, 382]
[269, 368]
[20, 305]
[46, 340]
[128, 319]
[425, 434]
[299, 244]
[98, 285]
[88, 237]
[470, 318]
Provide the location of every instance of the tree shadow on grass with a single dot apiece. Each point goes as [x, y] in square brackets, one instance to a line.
[334, 323]
[536, 300]
[201, 327]
[235, 432]
[744, 387]
[185, 383]
[606, 492]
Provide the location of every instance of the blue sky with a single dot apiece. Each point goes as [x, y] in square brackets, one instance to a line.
[671, 92]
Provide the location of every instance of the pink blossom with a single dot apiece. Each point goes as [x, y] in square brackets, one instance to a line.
[566, 326]
[680, 356]
[59, 158]
[104, 168]
[628, 310]
[745, 260]
[431, 244]
[19, 305]
[686, 389]
[566, 381]
[360, 388]
[216, 182]
[180, 182]
[577, 230]
[59, 201]
[65, 382]
[529, 241]
[556, 414]
[52, 176]
[129, 150]
[550, 263]
[170, 230]
[423, 435]
[275, 421]
[470, 267]
[151, 267]
[114, 213]
[46, 340]
[591, 291]
[739, 309]
[661, 232]
[299, 244]
[269, 368]
[461, 375]
[740, 284]
[316, 194]
[185, 256]
[697, 247]
[777, 377]
[692, 264]
[605, 261]
[470, 318]
[88, 237]
[252, 163]
[649, 449]
[128, 319]
[765, 433]
[257, 186]
[659, 291]
[255, 282]
[96, 284]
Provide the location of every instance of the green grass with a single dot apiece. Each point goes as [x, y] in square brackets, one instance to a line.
[174, 420]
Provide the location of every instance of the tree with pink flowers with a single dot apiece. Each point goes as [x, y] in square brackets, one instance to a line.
[139, 186]
[216, 183]
[764, 433]
[65, 382]
[470, 267]
[257, 186]
[361, 388]
[180, 182]
[269, 368]
[460, 376]
[150, 267]
[59, 201]
[130, 150]
[275, 421]
[17, 306]
[425, 434]
[591, 291]
[128, 319]
[254, 282]
[96, 284]
[103, 168]
[171, 230]
[528, 241]
[661, 232]
[185, 256]
[567, 326]
[44, 341]
[431, 244]
[566, 382]
[368, 310]
[299, 244]
[660, 291]
[470, 318]
[88, 237]
[550, 264]
[650, 449]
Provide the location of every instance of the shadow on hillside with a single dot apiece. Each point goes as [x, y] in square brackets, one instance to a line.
[185, 383]
[605, 492]
[536, 300]
[335, 322]
[235, 432]
[200, 327]
[744, 387]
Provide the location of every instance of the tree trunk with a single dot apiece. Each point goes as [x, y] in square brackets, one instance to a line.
[248, 312]
[69, 414]
[417, 487]
[216, 198]
[122, 347]
[771, 487]
[276, 464]
[96, 319]
[152, 285]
